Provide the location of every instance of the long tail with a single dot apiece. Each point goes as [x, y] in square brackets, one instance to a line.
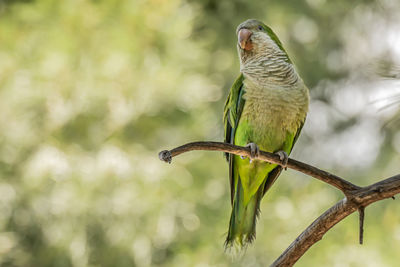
[242, 225]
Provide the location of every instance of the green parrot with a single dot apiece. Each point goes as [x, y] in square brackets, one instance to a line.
[266, 109]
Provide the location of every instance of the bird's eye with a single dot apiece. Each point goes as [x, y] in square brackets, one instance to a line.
[260, 28]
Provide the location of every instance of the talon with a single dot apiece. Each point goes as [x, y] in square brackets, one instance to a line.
[283, 156]
[254, 151]
[242, 157]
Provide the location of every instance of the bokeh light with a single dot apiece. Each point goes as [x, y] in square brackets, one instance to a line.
[91, 91]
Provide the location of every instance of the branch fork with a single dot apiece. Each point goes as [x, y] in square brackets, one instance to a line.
[356, 198]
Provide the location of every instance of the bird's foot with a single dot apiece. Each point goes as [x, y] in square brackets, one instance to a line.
[283, 156]
[254, 151]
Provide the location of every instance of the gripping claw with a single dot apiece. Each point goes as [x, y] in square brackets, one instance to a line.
[254, 151]
[283, 156]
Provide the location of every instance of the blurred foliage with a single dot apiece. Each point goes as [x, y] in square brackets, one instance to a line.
[90, 91]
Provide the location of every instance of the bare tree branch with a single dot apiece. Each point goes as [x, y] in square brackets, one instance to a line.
[357, 198]
[336, 181]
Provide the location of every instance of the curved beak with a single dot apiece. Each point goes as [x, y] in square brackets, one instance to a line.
[244, 39]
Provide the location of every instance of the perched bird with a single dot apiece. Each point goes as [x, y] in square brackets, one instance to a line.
[265, 110]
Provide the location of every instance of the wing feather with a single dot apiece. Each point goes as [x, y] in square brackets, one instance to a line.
[232, 111]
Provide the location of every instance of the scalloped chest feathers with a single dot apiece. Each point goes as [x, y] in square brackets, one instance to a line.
[275, 107]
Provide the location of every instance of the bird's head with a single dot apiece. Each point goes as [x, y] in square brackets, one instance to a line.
[256, 39]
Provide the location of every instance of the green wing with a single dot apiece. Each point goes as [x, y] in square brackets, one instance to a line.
[233, 108]
[232, 111]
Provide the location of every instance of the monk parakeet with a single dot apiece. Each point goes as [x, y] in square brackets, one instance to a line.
[265, 110]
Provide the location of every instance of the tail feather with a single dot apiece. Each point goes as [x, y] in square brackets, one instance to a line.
[242, 225]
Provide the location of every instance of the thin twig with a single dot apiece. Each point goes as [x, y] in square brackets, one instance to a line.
[361, 222]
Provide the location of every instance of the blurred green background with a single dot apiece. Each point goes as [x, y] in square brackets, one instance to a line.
[91, 91]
